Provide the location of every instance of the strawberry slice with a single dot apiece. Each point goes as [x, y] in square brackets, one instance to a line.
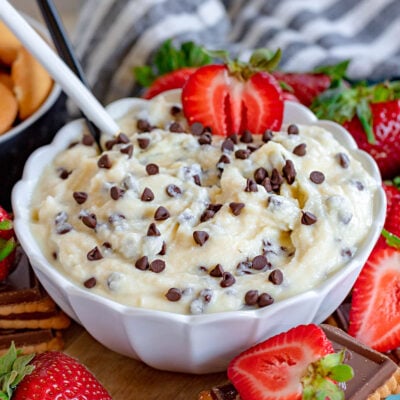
[6, 225]
[171, 80]
[277, 368]
[230, 102]
[375, 307]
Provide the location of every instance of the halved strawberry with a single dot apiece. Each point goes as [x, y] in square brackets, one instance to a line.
[392, 194]
[234, 97]
[375, 306]
[286, 367]
[171, 80]
[6, 225]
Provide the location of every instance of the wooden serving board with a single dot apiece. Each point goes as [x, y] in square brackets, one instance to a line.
[128, 379]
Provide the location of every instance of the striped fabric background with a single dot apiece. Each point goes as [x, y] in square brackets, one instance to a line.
[113, 36]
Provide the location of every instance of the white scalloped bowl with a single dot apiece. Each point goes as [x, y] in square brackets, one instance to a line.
[187, 343]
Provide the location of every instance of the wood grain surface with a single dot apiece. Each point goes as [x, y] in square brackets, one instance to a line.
[128, 379]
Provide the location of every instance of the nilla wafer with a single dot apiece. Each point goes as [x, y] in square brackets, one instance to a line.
[8, 108]
[32, 83]
[9, 45]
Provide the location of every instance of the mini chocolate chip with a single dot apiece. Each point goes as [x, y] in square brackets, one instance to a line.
[163, 250]
[253, 147]
[308, 218]
[142, 263]
[174, 294]
[346, 252]
[63, 228]
[265, 300]
[227, 280]
[147, 195]
[267, 136]
[205, 138]
[152, 169]
[143, 125]
[143, 143]
[251, 297]
[266, 183]
[259, 262]
[63, 173]
[276, 277]
[200, 237]
[251, 186]
[293, 129]
[116, 192]
[300, 150]
[94, 254]
[110, 144]
[242, 154]
[122, 138]
[236, 208]
[104, 162]
[80, 197]
[175, 110]
[214, 207]
[157, 266]
[196, 128]
[90, 220]
[173, 190]
[246, 137]
[343, 159]
[207, 214]
[90, 283]
[217, 271]
[227, 145]
[153, 230]
[276, 179]
[289, 172]
[260, 174]
[317, 177]
[196, 179]
[127, 150]
[176, 127]
[161, 214]
[224, 159]
[87, 140]
[202, 268]
[107, 245]
[54, 255]
[358, 185]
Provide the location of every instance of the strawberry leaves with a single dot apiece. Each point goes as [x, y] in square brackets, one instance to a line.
[13, 368]
[169, 58]
[319, 380]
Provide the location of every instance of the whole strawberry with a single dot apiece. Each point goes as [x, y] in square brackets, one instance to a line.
[7, 244]
[47, 376]
[372, 115]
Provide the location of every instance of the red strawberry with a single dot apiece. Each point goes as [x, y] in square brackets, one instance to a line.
[7, 244]
[372, 116]
[375, 307]
[304, 86]
[392, 194]
[56, 375]
[234, 97]
[284, 367]
[171, 80]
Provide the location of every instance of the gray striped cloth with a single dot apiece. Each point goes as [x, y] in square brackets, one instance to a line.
[113, 36]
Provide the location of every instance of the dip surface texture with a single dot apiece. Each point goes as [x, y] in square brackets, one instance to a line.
[172, 218]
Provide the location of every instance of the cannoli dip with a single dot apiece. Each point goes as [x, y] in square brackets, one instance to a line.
[171, 217]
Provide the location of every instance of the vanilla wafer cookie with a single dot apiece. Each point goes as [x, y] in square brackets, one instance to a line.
[35, 320]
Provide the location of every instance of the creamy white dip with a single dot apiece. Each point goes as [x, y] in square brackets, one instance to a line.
[190, 227]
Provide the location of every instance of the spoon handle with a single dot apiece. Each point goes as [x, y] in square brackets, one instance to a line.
[60, 72]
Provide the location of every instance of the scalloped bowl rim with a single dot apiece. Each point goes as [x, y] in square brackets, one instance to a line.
[62, 138]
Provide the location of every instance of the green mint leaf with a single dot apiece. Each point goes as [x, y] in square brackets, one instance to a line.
[391, 239]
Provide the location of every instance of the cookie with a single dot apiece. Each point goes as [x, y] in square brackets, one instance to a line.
[8, 108]
[32, 83]
[9, 45]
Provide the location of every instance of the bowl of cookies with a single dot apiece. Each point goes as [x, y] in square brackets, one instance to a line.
[32, 107]
[180, 246]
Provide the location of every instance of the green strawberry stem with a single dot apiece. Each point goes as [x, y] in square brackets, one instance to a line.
[319, 382]
[13, 368]
[391, 239]
[6, 247]
[6, 225]
[169, 58]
